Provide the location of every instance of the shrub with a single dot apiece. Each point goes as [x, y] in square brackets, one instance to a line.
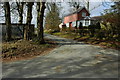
[100, 34]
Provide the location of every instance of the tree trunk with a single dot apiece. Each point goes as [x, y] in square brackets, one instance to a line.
[20, 11]
[7, 20]
[28, 22]
[41, 9]
[88, 5]
[20, 6]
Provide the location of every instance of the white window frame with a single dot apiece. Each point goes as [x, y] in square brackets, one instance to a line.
[68, 24]
[86, 22]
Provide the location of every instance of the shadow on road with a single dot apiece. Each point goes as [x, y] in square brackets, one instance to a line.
[64, 68]
[78, 66]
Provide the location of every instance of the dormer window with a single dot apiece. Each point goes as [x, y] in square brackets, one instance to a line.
[83, 14]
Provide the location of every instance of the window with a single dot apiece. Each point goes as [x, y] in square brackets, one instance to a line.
[83, 14]
[67, 24]
[74, 23]
[86, 22]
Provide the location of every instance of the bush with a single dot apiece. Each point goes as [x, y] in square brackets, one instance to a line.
[100, 34]
[91, 29]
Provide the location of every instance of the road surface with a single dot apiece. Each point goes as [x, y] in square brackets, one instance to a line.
[71, 59]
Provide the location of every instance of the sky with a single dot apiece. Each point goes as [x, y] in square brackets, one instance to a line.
[93, 12]
[100, 9]
[65, 10]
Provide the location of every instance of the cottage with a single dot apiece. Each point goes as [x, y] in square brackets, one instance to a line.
[79, 18]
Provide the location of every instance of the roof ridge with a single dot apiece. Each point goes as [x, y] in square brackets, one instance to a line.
[78, 10]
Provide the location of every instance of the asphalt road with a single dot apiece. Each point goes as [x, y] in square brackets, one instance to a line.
[71, 59]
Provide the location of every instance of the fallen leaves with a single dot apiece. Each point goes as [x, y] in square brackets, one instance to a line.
[24, 49]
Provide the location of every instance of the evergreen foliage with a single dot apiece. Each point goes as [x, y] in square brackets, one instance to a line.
[52, 18]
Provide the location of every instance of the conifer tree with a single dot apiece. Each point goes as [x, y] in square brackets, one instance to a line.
[52, 18]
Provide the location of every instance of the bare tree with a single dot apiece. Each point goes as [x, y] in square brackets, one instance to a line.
[75, 5]
[20, 6]
[7, 20]
[28, 21]
[40, 8]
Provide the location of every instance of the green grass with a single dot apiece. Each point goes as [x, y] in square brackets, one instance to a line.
[57, 33]
[66, 35]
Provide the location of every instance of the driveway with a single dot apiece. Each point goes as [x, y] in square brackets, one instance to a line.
[71, 59]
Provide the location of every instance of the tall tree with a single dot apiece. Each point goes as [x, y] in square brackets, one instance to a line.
[75, 5]
[20, 6]
[88, 4]
[116, 12]
[28, 21]
[41, 8]
[7, 20]
[112, 16]
[52, 18]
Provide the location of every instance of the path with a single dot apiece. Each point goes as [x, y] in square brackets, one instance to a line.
[70, 60]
